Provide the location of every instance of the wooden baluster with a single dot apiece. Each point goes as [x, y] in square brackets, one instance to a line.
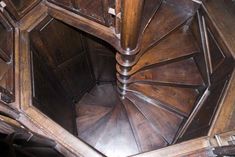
[117, 19]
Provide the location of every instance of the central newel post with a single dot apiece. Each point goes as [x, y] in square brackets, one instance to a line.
[131, 15]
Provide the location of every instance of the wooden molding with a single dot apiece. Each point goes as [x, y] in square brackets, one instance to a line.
[224, 116]
[184, 148]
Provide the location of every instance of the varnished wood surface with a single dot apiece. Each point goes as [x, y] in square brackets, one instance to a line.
[108, 129]
[7, 87]
[225, 117]
[216, 10]
[158, 24]
[147, 138]
[19, 8]
[177, 45]
[131, 20]
[182, 99]
[169, 73]
[182, 149]
[203, 120]
[168, 126]
[148, 12]
[89, 9]
[70, 67]
[102, 57]
[173, 73]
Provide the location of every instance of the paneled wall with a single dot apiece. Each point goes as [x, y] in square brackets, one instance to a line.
[63, 50]
[18, 8]
[216, 65]
[61, 69]
[96, 10]
[103, 59]
[6, 61]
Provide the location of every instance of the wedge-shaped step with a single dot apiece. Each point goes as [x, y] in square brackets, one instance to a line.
[117, 136]
[177, 98]
[179, 73]
[164, 21]
[168, 18]
[91, 121]
[147, 137]
[150, 8]
[179, 44]
[96, 96]
[167, 123]
[88, 115]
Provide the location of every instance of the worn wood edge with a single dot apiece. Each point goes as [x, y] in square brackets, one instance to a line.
[223, 138]
[25, 26]
[16, 61]
[9, 111]
[226, 110]
[10, 121]
[39, 12]
[98, 30]
[180, 149]
[52, 130]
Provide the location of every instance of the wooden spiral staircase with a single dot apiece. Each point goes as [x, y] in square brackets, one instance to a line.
[171, 75]
[162, 88]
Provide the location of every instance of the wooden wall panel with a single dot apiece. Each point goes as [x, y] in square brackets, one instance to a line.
[6, 61]
[62, 49]
[6, 39]
[61, 70]
[96, 10]
[18, 8]
[103, 59]
[203, 120]
[76, 76]
[219, 67]
[49, 96]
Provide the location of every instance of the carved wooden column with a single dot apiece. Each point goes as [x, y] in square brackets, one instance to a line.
[130, 27]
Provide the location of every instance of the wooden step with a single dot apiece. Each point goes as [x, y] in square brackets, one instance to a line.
[117, 137]
[149, 10]
[168, 18]
[177, 98]
[147, 137]
[183, 73]
[90, 115]
[167, 123]
[96, 96]
[179, 44]
[91, 122]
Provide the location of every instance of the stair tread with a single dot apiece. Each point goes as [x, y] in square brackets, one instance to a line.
[117, 135]
[183, 99]
[150, 8]
[175, 17]
[96, 96]
[163, 120]
[93, 133]
[178, 44]
[173, 73]
[146, 137]
[89, 115]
